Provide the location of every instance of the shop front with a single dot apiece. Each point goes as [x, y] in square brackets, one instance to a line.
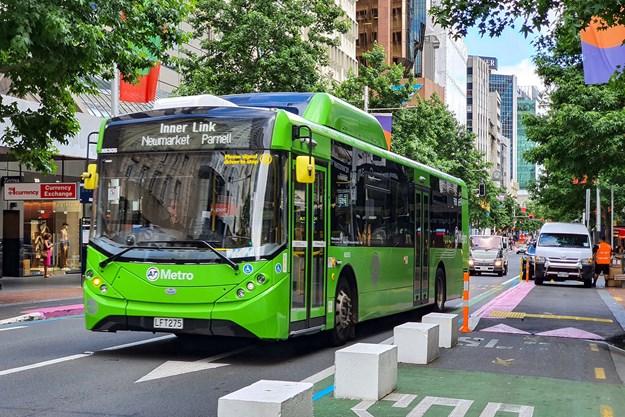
[36, 210]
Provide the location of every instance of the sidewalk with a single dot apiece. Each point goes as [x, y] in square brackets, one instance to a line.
[36, 298]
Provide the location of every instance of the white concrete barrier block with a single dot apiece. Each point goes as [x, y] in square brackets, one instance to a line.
[268, 399]
[416, 342]
[448, 328]
[365, 371]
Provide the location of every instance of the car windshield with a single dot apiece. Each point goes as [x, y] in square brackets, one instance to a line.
[485, 242]
[232, 200]
[563, 240]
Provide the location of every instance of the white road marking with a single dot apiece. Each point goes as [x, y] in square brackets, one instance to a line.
[13, 328]
[172, 368]
[44, 363]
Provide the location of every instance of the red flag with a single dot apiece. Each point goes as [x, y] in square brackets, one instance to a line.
[145, 89]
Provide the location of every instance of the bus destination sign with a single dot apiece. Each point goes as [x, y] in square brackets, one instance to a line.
[178, 134]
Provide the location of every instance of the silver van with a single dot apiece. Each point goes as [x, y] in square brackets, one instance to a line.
[563, 252]
[488, 253]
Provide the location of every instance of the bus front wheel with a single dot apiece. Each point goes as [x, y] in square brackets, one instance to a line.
[344, 325]
[439, 290]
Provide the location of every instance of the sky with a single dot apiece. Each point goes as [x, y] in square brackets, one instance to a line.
[513, 51]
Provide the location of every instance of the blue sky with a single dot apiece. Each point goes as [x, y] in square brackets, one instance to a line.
[513, 51]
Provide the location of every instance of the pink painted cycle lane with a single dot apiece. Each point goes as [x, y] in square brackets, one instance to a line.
[508, 300]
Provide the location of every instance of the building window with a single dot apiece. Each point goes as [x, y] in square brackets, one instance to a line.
[396, 37]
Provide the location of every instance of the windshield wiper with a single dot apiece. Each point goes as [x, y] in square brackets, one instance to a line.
[142, 245]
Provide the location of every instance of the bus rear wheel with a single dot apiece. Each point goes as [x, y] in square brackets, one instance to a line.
[344, 325]
[439, 290]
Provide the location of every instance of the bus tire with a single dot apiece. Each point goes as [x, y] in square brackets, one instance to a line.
[344, 325]
[439, 290]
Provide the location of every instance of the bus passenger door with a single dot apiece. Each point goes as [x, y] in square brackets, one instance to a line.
[422, 246]
[309, 254]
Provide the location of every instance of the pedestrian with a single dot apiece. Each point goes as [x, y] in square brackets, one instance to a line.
[603, 253]
[46, 253]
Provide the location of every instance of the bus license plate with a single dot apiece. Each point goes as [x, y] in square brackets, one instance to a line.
[167, 323]
[563, 274]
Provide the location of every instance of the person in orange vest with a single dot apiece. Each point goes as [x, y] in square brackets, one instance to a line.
[602, 260]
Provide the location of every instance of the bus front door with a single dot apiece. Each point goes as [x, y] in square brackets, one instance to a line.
[308, 255]
[422, 246]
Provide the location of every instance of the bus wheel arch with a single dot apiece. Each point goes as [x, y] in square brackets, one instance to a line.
[440, 285]
[345, 309]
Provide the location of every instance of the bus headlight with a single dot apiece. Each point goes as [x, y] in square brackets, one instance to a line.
[96, 281]
[260, 278]
[240, 293]
[104, 289]
[89, 274]
[250, 286]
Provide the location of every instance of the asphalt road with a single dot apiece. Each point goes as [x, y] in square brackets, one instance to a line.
[57, 368]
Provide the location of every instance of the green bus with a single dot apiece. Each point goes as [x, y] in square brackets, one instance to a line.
[265, 215]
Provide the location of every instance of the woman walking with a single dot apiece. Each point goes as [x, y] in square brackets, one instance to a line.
[46, 253]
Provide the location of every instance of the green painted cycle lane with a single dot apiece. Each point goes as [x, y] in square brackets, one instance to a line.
[428, 392]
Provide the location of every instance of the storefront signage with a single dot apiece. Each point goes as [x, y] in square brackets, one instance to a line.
[41, 191]
[11, 179]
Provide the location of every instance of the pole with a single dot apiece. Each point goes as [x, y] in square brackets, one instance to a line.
[366, 99]
[588, 209]
[465, 305]
[612, 216]
[598, 221]
[115, 94]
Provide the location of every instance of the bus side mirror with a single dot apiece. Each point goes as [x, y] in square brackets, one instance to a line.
[305, 169]
[90, 178]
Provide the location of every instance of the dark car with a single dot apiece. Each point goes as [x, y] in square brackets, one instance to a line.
[528, 258]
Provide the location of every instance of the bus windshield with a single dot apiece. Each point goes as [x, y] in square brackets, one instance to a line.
[232, 200]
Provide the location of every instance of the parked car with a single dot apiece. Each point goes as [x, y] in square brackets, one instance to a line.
[488, 253]
[563, 252]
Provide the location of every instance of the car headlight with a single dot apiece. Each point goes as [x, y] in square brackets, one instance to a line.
[471, 262]
[498, 262]
[586, 261]
[540, 259]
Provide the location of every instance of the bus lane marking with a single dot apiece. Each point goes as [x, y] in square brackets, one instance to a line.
[460, 406]
[606, 411]
[599, 373]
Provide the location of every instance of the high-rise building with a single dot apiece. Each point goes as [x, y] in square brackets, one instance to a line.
[505, 85]
[343, 56]
[409, 37]
[526, 104]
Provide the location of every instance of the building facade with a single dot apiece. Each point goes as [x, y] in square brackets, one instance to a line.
[506, 86]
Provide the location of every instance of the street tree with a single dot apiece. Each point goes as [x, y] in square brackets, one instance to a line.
[429, 133]
[388, 89]
[260, 45]
[52, 51]
[581, 138]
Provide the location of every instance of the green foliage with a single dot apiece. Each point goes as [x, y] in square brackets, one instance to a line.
[582, 133]
[387, 87]
[429, 133]
[493, 16]
[51, 50]
[258, 45]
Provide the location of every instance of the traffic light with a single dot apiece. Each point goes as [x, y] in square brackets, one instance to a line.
[482, 189]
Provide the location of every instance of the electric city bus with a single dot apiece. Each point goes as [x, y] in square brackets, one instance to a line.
[267, 215]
